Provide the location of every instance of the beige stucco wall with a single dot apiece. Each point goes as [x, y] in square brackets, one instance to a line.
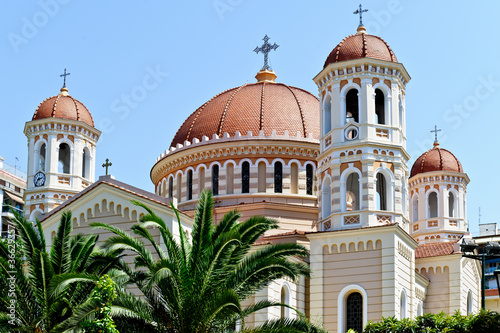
[374, 261]
[451, 278]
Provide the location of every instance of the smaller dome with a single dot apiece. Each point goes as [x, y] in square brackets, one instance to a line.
[361, 45]
[65, 107]
[436, 159]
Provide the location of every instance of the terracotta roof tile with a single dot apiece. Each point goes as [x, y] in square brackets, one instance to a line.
[63, 106]
[361, 45]
[436, 159]
[491, 292]
[254, 107]
[434, 250]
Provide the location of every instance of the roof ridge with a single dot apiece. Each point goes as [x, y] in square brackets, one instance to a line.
[365, 49]
[262, 93]
[300, 110]
[90, 114]
[54, 107]
[38, 107]
[226, 108]
[198, 111]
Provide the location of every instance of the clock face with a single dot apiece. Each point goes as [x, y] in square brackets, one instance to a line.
[39, 179]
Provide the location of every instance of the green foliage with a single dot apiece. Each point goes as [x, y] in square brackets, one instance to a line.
[484, 322]
[102, 297]
[41, 290]
[198, 286]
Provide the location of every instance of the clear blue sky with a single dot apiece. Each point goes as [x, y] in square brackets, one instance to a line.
[200, 48]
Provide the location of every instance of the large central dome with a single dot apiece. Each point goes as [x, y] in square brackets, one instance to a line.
[264, 105]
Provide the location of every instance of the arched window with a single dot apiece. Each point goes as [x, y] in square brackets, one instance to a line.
[415, 209]
[420, 309]
[433, 205]
[245, 177]
[86, 163]
[179, 187]
[352, 106]
[326, 201]
[190, 185]
[451, 204]
[230, 178]
[354, 312]
[171, 187]
[381, 192]
[403, 304]
[158, 190]
[215, 179]
[201, 179]
[41, 161]
[64, 158]
[379, 107]
[278, 177]
[294, 178]
[285, 299]
[262, 177]
[352, 192]
[469, 302]
[327, 115]
[309, 179]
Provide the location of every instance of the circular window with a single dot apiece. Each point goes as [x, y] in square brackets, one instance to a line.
[351, 133]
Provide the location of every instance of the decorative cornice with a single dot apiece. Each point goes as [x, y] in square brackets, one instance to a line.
[217, 147]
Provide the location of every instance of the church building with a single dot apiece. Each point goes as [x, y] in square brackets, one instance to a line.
[331, 168]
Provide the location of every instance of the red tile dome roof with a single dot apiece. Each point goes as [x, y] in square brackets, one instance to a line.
[436, 159]
[63, 106]
[361, 45]
[263, 105]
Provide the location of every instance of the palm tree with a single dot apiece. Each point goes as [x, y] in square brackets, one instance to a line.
[199, 286]
[29, 275]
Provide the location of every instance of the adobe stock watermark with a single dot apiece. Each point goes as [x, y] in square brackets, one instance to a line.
[11, 280]
[31, 26]
[123, 105]
[224, 6]
[456, 115]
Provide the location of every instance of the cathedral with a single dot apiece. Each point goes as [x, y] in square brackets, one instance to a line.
[331, 168]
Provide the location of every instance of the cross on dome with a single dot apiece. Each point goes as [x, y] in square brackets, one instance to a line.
[435, 131]
[65, 74]
[360, 11]
[266, 48]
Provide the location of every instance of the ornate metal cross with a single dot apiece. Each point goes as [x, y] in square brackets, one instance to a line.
[266, 48]
[360, 11]
[106, 165]
[65, 74]
[435, 131]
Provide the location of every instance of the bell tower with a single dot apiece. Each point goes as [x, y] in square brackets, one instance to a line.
[363, 164]
[62, 143]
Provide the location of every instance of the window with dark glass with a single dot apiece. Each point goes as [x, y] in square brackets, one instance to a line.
[354, 312]
[190, 185]
[380, 106]
[309, 179]
[352, 107]
[41, 165]
[245, 177]
[381, 192]
[64, 158]
[278, 177]
[215, 180]
[171, 188]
